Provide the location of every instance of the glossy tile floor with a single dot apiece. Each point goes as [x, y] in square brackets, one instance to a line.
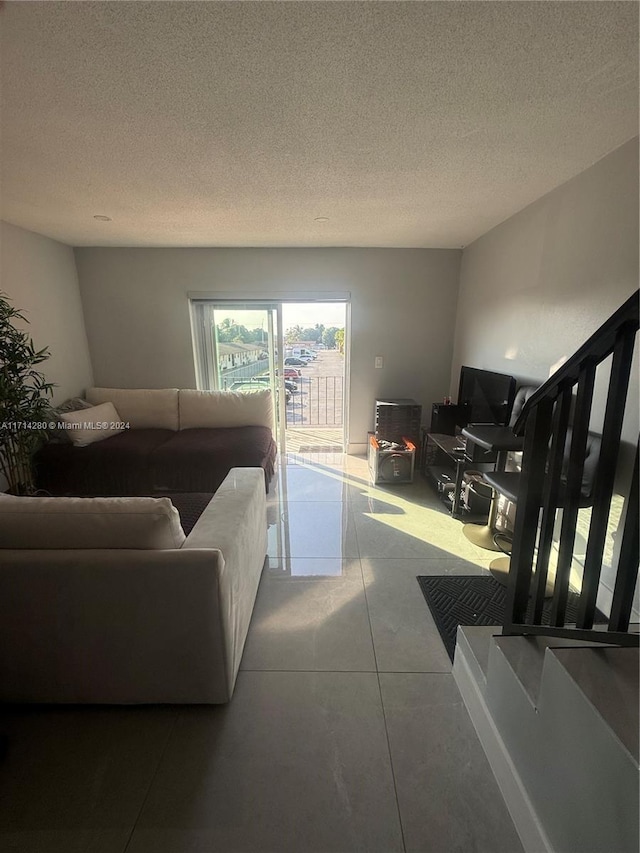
[346, 731]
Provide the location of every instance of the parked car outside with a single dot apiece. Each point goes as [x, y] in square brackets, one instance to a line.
[253, 385]
[288, 384]
[291, 373]
[303, 352]
[291, 361]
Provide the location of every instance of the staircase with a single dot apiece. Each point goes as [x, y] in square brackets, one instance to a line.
[558, 720]
[556, 706]
[552, 414]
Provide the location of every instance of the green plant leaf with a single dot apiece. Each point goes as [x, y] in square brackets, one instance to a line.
[24, 398]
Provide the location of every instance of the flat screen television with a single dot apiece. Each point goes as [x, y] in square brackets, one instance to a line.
[489, 395]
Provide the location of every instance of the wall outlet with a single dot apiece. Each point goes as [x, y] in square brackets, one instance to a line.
[379, 361]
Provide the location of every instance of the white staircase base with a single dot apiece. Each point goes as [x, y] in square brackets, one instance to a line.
[525, 820]
[556, 720]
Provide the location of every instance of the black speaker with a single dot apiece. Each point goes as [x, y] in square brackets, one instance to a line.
[445, 419]
[393, 465]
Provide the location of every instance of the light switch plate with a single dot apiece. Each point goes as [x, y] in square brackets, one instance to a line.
[379, 361]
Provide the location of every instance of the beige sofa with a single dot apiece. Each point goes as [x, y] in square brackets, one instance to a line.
[104, 600]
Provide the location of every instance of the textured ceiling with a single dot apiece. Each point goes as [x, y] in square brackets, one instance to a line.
[238, 124]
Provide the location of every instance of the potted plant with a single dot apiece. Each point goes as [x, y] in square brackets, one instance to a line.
[24, 404]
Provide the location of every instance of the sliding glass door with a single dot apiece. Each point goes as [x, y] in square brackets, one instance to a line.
[237, 349]
[297, 348]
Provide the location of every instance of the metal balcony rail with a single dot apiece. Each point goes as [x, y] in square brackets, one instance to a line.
[545, 423]
[318, 401]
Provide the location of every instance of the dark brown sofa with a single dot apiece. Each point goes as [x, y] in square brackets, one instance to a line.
[174, 441]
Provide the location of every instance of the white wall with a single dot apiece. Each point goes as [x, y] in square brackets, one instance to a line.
[39, 275]
[403, 308]
[537, 286]
[534, 288]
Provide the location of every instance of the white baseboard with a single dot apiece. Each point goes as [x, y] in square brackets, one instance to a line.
[525, 820]
[357, 449]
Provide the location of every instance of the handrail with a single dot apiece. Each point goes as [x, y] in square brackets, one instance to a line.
[597, 348]
[545, 423]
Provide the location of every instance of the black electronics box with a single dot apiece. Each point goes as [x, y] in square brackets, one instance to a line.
[475, 494]
[475, 453]
[445, 419]
[398, 419]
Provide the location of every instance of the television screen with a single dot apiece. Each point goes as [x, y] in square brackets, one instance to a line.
[489, 395]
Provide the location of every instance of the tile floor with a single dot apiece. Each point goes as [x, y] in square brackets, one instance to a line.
[346, 731]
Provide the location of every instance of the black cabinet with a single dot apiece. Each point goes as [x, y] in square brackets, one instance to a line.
[397, 419]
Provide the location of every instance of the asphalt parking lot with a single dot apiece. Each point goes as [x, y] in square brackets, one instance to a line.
[319, 399]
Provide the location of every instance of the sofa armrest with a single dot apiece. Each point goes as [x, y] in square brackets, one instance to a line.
[238, 506]
[236, 521]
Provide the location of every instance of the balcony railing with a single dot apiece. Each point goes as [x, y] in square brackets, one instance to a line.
[545, 423]
[317, 402]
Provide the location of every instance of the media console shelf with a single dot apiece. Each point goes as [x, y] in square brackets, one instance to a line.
[444, 463]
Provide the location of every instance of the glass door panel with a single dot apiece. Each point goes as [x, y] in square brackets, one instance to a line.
[244, 350]
[298, 349]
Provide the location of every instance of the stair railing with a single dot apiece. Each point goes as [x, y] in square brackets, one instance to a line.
[545, 422]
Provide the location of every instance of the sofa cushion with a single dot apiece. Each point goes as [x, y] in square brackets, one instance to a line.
[56, 430]
[198, 460]
[87, 426]
[118, 466]
[141, 408]
[73, 404]
[77, 523]
[205, 409]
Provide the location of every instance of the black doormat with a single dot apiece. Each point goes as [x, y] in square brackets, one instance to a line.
[476, 600]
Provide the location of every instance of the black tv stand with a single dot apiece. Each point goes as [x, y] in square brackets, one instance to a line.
[443, 464]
